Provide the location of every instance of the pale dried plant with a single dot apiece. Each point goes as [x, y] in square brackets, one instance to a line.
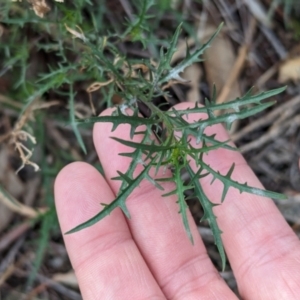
[14, 205]
[19, 136]
[76, 34]
[40, 7]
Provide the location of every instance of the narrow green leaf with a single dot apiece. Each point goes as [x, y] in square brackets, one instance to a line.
[118, 202]
[242, 187]
[172, 48]
[118, 120]
[72, 119]
[181, 201]
[227, 118]
[207, 206]
[189, 60]
[236, 104]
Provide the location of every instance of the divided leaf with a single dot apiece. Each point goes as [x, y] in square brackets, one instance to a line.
[166, 135]
[174, 73]
[228, 182]
[179, 191]
[208, 206]
[120, 202]
[236, 105]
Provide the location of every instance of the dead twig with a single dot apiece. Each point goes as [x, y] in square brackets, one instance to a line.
[7, 100]
[239, 63]
[12, 235]
[290, 106]
[274, 41]
[37, 290]
[7, 273]
[266, 76]
[54, 285]
[4, 137]
[273, 133]
[10, 257]
[17, 207]
[61, 140]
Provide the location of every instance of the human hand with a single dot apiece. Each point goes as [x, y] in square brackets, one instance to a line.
[150, 256]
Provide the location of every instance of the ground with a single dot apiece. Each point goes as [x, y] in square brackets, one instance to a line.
[48, 80]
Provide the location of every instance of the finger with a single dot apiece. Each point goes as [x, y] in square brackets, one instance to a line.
[107, 263]
[182, 270]
[263, 250]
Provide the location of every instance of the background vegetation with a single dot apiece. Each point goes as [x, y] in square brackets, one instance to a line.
[49, 79]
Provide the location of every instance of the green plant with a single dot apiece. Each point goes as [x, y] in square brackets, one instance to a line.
[166, 134]
[87, 51]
